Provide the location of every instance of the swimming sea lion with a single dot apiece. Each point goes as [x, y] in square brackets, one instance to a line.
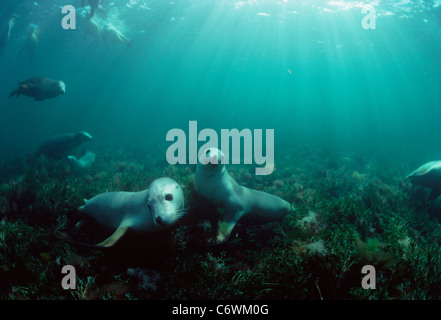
[150, 210]
[428, 175]
[11, 24]
[58, 145]
[214, 183]
[39, 88]
[31, 43]
[6, 33]
[82, 163]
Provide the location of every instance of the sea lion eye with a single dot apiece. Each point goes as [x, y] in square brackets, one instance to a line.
[207, 153]
[168, 197]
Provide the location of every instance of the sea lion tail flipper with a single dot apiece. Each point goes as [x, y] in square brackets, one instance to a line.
[66, 237]
[434, 193]
[109, 242]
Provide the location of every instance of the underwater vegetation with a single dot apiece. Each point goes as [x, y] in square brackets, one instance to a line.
[350, 212]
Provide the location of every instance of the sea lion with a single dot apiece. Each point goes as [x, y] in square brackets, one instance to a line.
[150, 210]
[58, 145]
[39, 88]
[82, 163]
[11, 24]
[429, 176]
[6, 33]
[214, 183]
[31, 41]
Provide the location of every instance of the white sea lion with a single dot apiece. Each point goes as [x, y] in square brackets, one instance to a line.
[150, 210]
[429, 176]
[214, 183]
[82, 163]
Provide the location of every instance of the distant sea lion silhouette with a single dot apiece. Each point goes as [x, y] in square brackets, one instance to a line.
[82, 163]
[150, 210]
[94, 5]
[6, 33]
[59, 145]
[214, 183]
[39, 88]
[31, 41]
[11, 24]
[429, 176]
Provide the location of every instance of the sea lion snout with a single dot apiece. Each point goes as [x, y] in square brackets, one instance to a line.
[159, 221]
[166, 216]
[212, 156]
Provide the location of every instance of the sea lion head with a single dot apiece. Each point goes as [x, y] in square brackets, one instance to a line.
[212, 159]
[83, 136]
[427, 175]
[73, 161]
[61, 87]
[165, 200]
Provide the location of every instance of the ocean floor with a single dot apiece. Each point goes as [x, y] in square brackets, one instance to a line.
[351, 211]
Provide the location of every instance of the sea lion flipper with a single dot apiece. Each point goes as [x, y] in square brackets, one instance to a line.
[114, 238]
[110, 241]
[223, 232]
[15, 92]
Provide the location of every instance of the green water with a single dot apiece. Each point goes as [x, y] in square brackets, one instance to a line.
[306, 69]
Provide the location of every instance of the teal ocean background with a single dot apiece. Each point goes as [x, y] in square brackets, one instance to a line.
[306, 69]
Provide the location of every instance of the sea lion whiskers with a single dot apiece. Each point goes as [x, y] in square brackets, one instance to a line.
[180, 213]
